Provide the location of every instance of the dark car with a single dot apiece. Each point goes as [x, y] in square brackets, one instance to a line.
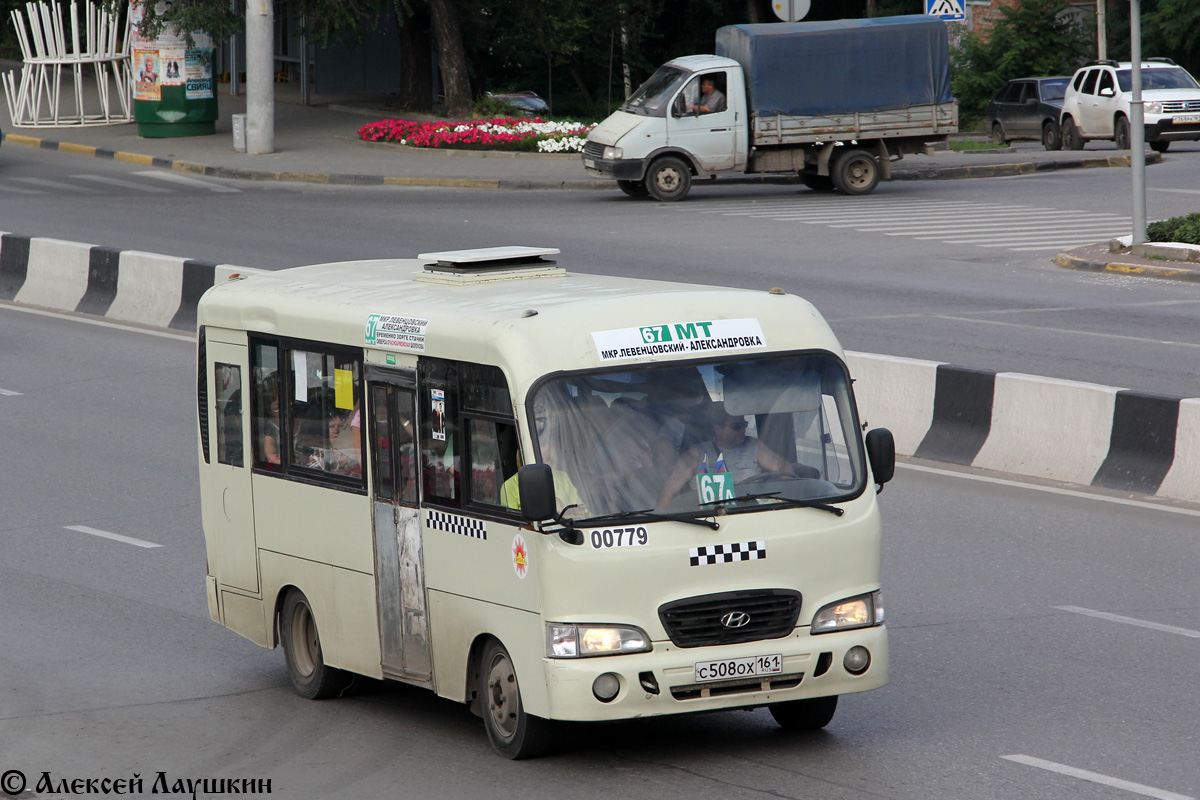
[525, 104]
[1027, 108]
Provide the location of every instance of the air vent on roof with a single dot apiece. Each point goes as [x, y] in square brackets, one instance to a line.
[489, 259]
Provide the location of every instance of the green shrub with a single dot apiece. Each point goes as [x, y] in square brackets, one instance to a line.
[1185, 230]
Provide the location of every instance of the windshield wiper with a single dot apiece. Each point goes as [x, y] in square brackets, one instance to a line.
[650, 513]
[784, 502]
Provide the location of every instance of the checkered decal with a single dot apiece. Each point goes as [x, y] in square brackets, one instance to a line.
[728, 553]
[452, 523]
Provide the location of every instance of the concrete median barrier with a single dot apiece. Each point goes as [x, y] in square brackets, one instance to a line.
[1067, 431]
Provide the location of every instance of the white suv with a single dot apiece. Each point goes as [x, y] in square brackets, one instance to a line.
[1097, 101]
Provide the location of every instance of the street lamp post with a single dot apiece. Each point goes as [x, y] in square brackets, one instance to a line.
[1137, 153]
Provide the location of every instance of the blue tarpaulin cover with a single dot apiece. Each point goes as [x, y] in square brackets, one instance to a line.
[841, 66]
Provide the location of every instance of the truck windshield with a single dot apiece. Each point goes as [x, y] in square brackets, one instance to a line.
[748, 435]
[1167, 78]
[652, 97]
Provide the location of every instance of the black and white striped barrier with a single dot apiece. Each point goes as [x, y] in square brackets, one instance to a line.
[1059, 430]
[1077, 433]
[124, 285]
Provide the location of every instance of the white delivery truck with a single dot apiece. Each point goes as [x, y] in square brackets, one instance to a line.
[834, 102]
[547, 495]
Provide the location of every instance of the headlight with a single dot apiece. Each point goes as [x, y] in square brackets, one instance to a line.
[580, 641]
[864, 611]
[1154, 108]
[613, 153]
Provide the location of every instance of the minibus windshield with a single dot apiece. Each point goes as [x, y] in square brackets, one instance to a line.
[746, 435]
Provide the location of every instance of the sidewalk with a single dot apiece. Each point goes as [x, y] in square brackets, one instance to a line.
[319, 144]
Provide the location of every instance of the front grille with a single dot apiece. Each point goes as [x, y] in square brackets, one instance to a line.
[1178, 106]
[593, 149]
[696, 621]
[696, 691]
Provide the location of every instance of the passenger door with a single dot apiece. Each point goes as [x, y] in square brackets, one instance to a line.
[711, 138]
[399, 560]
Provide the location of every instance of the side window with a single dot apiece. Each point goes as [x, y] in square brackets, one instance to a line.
[1078, 81]
[1012, 93]
[228, 379]
[268, 444]
[393, 445]
[327, 423]
[1028, 90]
[306, 411]
[468, 434]
[1106, 81]
[1089, 84]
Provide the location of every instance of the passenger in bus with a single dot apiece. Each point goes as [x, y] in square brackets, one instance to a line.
[741, 455]
[549, 437]
[270, 441]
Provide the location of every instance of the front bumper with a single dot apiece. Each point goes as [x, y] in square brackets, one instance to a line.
[569, 681]
[1167, 130]
[614, 169]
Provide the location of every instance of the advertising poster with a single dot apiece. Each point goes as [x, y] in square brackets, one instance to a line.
[198, 70]
[147, 83]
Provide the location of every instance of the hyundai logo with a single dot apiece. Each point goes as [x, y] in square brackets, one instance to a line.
[735, 619]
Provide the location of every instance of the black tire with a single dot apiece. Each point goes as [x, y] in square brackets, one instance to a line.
[633, 188]
[805, 715]
[513, 733]
[818, 183]
[855, 172]
[302, 649]
[1051, 136]
[998, 134]
[1160, 147]
[1121, 134]
[1071, 140]
[669, 179]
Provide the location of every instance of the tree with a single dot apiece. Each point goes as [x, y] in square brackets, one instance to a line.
[1031, 38]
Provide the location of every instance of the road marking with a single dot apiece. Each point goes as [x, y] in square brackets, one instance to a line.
[1141, 623]
[116, 537]
[1178, 191]
[171, 177]
[15, 190]
[1096, 777]
[139, 187]
[9, 393]
[1094, 334]
[70, 187]
[1188, 512]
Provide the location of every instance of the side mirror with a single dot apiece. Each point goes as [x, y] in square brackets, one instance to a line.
[1106, 92]
[535, 483]
[1031, 101]
[678, 106]
[881, 450]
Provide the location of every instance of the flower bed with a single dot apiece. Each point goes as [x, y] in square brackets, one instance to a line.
[533, 135]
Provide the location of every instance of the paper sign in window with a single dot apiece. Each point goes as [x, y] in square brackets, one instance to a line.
[343, 388]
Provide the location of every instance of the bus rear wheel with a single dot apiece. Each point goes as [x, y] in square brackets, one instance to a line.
[302, 649]
[513, 733]
[805, 715]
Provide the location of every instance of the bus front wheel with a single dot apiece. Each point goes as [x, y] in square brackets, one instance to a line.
[302, 648]
[805, 715]
[513, 733]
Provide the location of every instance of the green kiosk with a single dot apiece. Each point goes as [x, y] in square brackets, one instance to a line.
[173, 89]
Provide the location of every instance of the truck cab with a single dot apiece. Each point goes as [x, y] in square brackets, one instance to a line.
[660, 137]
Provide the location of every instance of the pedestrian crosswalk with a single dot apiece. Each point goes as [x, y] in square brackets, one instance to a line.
[137, 183]
[990, 225]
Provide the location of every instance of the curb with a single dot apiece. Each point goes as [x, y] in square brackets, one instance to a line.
[1066, 431]
[353, 179]
[1140, 270]
[1079, 433]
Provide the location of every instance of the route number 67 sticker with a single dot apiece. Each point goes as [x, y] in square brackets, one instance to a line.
[619, 537]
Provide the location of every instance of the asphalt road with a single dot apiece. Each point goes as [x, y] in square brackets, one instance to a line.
[957, 271]
[1044, 644]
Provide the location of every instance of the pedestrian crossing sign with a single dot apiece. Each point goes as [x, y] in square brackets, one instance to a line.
[945, 9]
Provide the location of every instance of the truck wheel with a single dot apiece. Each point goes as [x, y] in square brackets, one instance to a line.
[1121, 134]
[668, 179]
[855, 172]
[805, 715]
[302, 650]
[1160, 147]
[1051, 137]
[633, 188]
[1071, 140]
[513, 733]
[818, 183]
